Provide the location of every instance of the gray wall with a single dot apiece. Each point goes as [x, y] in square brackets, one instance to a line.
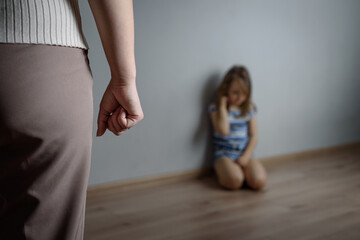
[303, 56]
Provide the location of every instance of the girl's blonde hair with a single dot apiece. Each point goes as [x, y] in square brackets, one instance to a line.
[241, 74]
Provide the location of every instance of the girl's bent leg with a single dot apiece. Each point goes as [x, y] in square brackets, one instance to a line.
[229, 173]
[255, 174]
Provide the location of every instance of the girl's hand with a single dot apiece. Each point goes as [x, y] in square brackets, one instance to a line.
[243, 160]
[223, 101]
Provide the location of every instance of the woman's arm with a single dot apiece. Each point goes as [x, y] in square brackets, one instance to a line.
[246, 156]
[120, 107]
[220, 119]
[115, 23]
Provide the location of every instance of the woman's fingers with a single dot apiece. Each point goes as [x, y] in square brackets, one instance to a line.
[110, 126]
[128, 98]
[117, 123]
[122, 119]
[114, 120]
[108, 105]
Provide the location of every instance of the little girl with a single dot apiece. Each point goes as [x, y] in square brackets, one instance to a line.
[235, 132]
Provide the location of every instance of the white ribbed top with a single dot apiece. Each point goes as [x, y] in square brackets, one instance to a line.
[53, 22]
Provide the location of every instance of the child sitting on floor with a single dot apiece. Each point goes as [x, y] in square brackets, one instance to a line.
[233, 118]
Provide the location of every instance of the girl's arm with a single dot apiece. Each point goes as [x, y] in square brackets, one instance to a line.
[245, 158]
[220, 119]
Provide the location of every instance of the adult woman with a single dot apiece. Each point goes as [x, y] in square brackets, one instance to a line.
[46, 113]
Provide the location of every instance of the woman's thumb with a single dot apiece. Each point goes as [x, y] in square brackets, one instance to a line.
[102, 120]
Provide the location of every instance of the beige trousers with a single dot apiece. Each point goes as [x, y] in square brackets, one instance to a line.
[46, 129]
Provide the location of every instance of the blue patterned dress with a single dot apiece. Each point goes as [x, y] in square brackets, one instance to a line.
[235, 143]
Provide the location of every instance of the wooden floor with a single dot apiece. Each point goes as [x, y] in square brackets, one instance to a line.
[306, 198]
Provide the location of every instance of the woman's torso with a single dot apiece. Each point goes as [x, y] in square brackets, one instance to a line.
[52, 22]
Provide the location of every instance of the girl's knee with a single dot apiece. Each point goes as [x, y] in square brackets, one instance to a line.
[232, 183]
[258, 182]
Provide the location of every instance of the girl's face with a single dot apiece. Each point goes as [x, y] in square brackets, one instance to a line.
[236, 94]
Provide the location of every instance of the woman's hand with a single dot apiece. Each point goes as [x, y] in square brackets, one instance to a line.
[120, 108]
